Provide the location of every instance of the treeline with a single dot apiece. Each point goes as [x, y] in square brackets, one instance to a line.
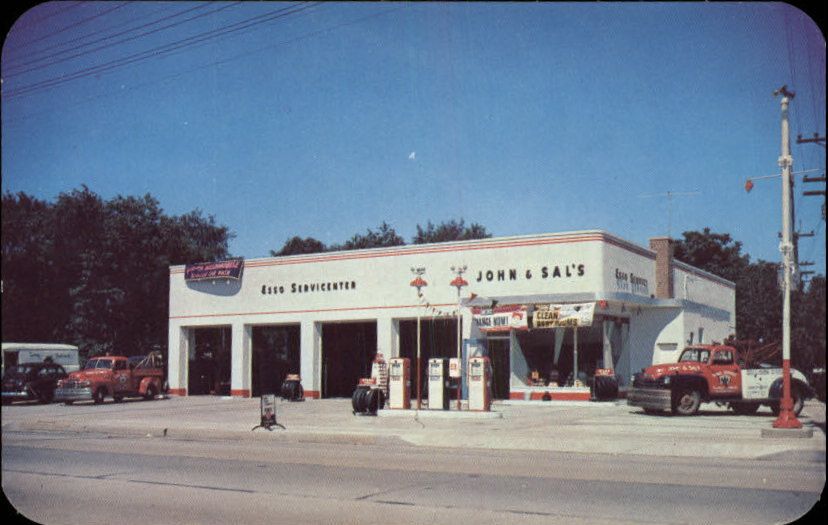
[95, 272]
[759, 296]
[385, 235]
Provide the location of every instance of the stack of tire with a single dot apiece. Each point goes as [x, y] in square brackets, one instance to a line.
[604, 388]
[292, 390]
[367, 400]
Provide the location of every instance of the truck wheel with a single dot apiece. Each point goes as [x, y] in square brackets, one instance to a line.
[798, 403]
[745, 409]
[150, 392]
[686, 401]
[99, 395]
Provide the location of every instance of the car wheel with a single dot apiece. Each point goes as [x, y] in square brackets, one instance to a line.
[686, 401]
[117, 398]
[46, 396]
[67, 403]
[150, 392]
[99, 395]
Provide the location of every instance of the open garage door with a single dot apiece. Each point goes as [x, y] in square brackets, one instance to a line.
[275, 355]
[348, 349]
[209, 366]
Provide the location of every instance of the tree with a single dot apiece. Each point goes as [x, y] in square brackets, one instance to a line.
[96, 273]
[384, 236]
[297, 246]
[449, 231]
[716, 253]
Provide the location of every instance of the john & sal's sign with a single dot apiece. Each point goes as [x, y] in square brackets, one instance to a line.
[544, 272]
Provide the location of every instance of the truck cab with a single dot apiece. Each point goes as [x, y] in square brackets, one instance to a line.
[112, 376]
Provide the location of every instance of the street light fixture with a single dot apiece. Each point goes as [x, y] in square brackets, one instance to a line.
[458, 282]
[418, 283]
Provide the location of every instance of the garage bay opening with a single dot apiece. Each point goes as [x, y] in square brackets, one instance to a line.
[275, 355]
[209, 366]
[348, 350]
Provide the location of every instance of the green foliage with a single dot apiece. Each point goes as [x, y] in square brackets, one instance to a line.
[96, 273]
[716, 253]
[384, 236]
[449, 231]
[297, 246]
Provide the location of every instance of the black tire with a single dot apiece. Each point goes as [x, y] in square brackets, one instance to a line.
[798, 403]
[99, 395]
[150, 392]
[745, 409]
[117, 398]
[372, 401]
[686, 401]
[6, 402]
[356, 400]
[67, 403]
[45, 397]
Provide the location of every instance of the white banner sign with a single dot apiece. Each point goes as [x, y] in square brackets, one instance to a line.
[563, 315]
[501, 318]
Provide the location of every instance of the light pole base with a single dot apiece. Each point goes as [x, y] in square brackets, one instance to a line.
[788, 433]
[787, 419]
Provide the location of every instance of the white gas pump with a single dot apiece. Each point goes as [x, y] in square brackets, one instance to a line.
[480, 382]
[399, 383]
[438, 395]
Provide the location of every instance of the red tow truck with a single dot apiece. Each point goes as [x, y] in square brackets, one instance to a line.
[115, 376]
[711, 373]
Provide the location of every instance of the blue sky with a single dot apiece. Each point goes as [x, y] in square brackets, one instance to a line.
[329, 119]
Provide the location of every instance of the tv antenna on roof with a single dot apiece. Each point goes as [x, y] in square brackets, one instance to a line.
[670, 195]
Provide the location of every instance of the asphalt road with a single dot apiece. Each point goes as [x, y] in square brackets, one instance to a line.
[67, 478]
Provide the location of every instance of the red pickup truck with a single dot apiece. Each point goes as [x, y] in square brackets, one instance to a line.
[115, 376]
[711, 373]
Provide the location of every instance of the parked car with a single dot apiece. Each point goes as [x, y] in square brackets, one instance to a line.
[30, 381]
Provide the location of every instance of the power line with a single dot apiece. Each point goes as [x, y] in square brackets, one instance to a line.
[72, 25]
[34, 21]
[158, 51]
[123, 40]
[209, 64]
[16, 63]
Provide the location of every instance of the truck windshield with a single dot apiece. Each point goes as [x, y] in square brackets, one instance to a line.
[98, 363]
[696, 355]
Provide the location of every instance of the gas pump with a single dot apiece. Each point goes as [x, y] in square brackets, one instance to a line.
[438, 393]
[399, 382]
[480, 382]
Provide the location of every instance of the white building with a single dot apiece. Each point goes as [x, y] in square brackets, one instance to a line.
[325, 316]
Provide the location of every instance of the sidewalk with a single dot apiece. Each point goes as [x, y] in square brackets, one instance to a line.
[609, 428]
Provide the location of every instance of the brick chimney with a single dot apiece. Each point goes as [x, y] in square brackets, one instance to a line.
[663, 246]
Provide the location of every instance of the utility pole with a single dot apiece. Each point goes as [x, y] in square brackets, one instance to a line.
[787, 418]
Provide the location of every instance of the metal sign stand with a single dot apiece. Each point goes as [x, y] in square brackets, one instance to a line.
[267, 408]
